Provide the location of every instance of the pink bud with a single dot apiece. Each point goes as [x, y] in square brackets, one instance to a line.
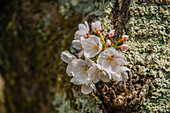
[123, 47]
[111, 33]
[108, 42]
[125, 37]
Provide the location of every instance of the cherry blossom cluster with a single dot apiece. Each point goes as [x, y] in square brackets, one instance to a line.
[98, 59]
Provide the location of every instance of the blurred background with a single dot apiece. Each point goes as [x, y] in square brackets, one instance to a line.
[32, 35]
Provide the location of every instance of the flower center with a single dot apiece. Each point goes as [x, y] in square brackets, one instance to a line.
[85, 69]
[98, 70]
[111, 60]
[96, 47]
[88, 35]
[96, 31]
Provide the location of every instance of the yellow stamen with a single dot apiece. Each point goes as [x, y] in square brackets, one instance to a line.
[85, 69]
[111, 60]
[96, 31]
[96, 47]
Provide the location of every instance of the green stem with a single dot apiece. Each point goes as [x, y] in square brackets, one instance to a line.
[102, 38]
[115, 46]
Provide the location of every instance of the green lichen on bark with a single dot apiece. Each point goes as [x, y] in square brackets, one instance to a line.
[149, 51]
[82, 103]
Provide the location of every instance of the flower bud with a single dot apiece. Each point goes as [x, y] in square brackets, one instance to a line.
[125, 37]
[123, 47]
[108, 42]
[100, 33]
[96, 26]
[111, 33]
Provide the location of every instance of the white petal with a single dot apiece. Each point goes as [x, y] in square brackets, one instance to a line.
[124, 76]
[77, 44]
[81, 53]
[115, 68]
[124, 73]
[98, 25]
[93, 87]
[82, 33]
[82, 27]
[87, 44]
[91, 70]
[71, 66]
[98, 66]
[69, 70]
[96, 78]
[83, 80]
[111, 51]
[93, 27]
[123, 68]
[74, 80]
[100, 46]
[105, 64]
[89, 62]
[101, 58]
[90, 54]
[67, 57]
[79, 33]
[87, 54]
[118, 55]
[79, 68]
[87, 25]
[104, 77]
[92, 46]
[86, 89]
[82, 38]
[119, 61]
[116, 76]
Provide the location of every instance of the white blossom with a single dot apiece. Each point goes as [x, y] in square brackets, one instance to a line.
[109, 65]
[98, 74]
[67, 57]
[81, 76]
[80, 71]
[82, 67]
[83, 31]
[92, 46]
[111, 60]
[96, 26]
